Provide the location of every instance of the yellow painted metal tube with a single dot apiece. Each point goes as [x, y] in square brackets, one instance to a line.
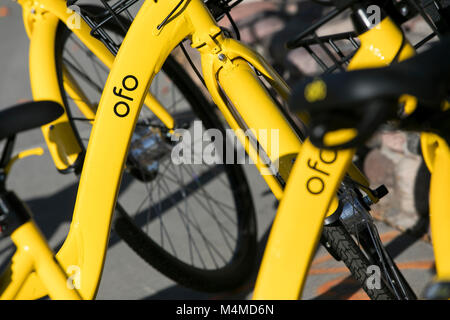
[379, 46]
[296, 230]
[41, 26]
[23, 154]
[141, 56]
[429, 143]
[59, 135]
[139, 59]
[158, 109]
[233, 50]
[29, 241]
[260, 113]
[57, 10]
[16, 274]
[236, 49]
[210, 69]
[440, 209]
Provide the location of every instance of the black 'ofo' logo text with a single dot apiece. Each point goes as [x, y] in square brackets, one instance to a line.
[121, 108]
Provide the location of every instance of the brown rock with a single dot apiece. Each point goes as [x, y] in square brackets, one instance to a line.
[395, 141]
[379, 169]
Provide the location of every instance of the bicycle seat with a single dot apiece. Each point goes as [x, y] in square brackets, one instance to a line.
[363, 99]
[26, 116]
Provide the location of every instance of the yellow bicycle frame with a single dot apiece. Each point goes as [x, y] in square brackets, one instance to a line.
[236, 90]
[313, 183]
[86, 242]
[436, 153]
[41, 19]
[300, 216]
[142, 54]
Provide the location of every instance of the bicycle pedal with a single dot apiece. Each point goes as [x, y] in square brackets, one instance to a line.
[438, 291]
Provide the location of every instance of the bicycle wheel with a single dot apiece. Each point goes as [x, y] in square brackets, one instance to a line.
[335, 237]
[195, 223]
[354, 240]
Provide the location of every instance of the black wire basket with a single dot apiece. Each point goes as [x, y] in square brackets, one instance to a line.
[333, 52]
[124, 10]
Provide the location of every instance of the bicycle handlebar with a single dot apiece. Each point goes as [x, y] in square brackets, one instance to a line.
[364, 99]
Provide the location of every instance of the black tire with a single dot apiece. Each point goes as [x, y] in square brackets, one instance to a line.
[237, 267]
[341, 243]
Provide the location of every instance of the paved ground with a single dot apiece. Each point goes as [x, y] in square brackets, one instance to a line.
[51, 197]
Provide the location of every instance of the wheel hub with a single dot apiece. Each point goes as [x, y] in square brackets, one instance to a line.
[148, 148]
